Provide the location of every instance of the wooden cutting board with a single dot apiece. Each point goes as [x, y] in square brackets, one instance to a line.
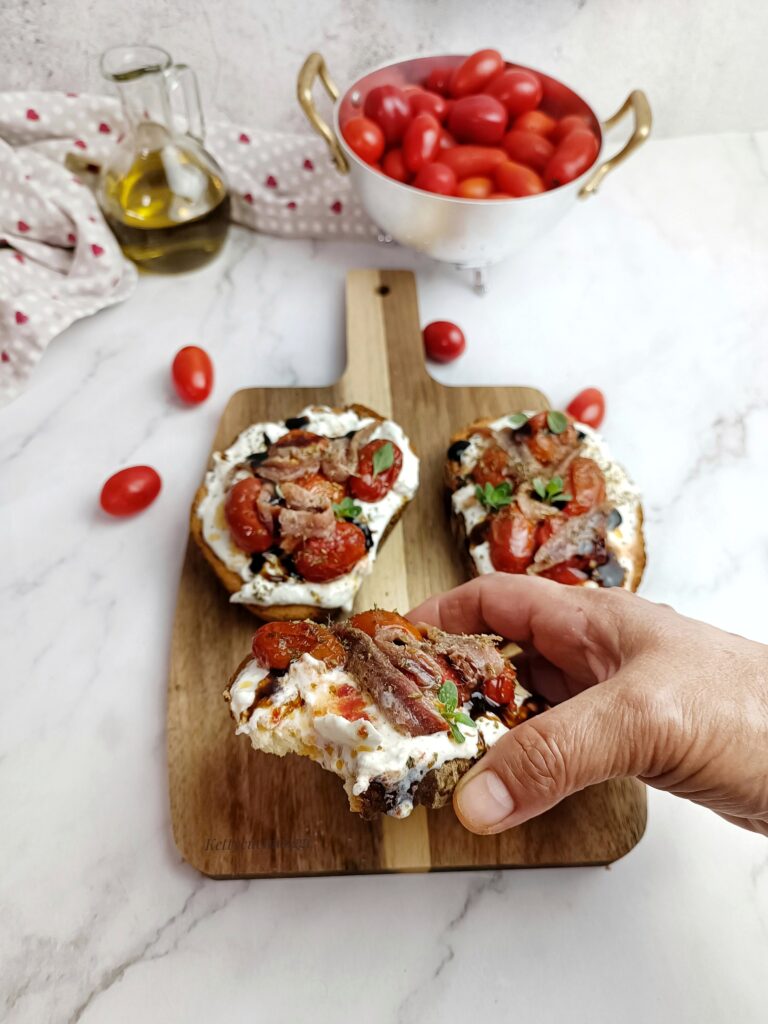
[237, 812]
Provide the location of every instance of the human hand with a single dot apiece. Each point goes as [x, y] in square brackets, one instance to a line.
[639, 691]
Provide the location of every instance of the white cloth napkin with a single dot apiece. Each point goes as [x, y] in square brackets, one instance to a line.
[58, 259]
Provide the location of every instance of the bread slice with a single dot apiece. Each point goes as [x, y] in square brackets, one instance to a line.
[633, 551]
[233, 582]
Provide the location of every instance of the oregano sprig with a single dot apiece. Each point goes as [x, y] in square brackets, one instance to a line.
[347, 509]
[494, 498]
[448, 698]
[550, 491]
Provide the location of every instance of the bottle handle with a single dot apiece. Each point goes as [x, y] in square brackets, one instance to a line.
[181, 78]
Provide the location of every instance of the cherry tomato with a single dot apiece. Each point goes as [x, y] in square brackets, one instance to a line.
[473, 161]
[475, 71]
[536, 121]
[421, 141]
[372, 620]
[438, 80]
[301, 439]
[475, 188]
[546, 446]
[447, 141]
[249, 531]
[588, 407]
[569, 123]
[517, 89]
[547, 527]
[500, 195]
[492, 467]
[192, 373]
[587, 485]
[388, 106]
[436, 177]
[367, 485]
[528, 148]
[323, 487]
[443, 341]
[512, 539]
[425, 102]
[479, 119]
[574, 155]
[518, 180]
[130, 490]
[501, 690]
[326, 558]
[566, 574]
[394, 165]
[276, 644]
[349, 702]
[365, 138]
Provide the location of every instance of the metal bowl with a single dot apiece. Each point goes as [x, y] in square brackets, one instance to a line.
[470, 233]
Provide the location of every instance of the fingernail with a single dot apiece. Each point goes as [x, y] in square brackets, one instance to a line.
[484, 800]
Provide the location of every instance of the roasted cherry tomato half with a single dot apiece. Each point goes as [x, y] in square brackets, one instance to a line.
[364, 138]
[566, 574]
[586, 483]
[443, 341]
[492, 467]
[518, 180]
[574, 155]
[326, 558]
[276, 644]
[348, 701]
[393, 164]
[472, 161]
[388, 106]
[192, 374]
[436, 177]
[512, 539]
[438, 80]
[528, 148]
[248, 529]
[300, 439]
[322, 486]
[478, 119]
[475, 71]
[546, 446]
[588, 407]
[519, 90]
[536, 121]
[421, 141]
[373, 620]
[570, 123]
[501, 690]
[475, 188]
[130, 490]
[367, 484]
[424, 102]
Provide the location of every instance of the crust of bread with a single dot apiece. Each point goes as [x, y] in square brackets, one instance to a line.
[233, 582]
[452, 475]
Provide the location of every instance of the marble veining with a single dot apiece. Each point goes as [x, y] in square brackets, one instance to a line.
[654, 291]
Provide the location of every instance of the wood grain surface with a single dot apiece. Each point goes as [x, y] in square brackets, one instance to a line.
[239, 813]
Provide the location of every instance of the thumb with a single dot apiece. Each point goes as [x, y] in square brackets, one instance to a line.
[587, 739]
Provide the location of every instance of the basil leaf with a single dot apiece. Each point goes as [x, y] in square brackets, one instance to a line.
[464, 719]
[347, 509]
[517, 420]
[383, 458]
[456, 733]
[540, 486]
[557, 421]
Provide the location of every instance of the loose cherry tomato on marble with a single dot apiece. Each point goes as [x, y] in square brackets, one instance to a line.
[528, 148]
[479, 119]
[519, 90]
[370, 622]
[248, 529]
[425, 102]
[473, 161]
[436, 177]
[393, 164]
[500, 690]
[475, 71]
[192, 374]
[574, 155]
[365, 138]
[438, 80]
[443, 341]
[518, 180]
[512, 539]
[130, 490]
[320, 559]
[376, 474]
[421, 141]
[536, 121]
[388, 106]
[588, 407]
[475, 188]
[276, 644]
[569, 123]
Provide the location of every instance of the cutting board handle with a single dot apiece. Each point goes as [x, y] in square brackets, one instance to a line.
[384, 343]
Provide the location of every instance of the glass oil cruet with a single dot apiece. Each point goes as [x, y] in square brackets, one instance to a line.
[162, 193]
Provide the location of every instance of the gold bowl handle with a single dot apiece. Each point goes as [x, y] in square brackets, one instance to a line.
[312, 69]
[637, 102]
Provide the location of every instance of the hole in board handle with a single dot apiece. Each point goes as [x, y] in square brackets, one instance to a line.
[383, 289]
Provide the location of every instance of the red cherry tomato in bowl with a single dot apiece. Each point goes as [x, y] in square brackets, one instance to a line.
[528, 148]
[570, 123]
[444, 341]
[518, 180]
[192, 373]
[472, 161]
[436, 177]
[519, 90]
[588, 407]
[130, 490]
[438, 80]
[574, 155]
[421, 141]
[475, 72]
[536, 121]
[422, 101]
[479, 119]
[364, 138]
[388, 106]
[475, 188]
[394, 166]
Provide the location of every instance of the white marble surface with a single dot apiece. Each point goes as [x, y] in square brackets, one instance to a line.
[702, 62]
[654, 291]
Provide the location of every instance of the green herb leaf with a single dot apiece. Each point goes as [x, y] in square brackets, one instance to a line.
[550, 491]
[557, 421]
[540, 486]
[456, 733]
[448, 696]
[459, 716]
[347, 509]
[492, 497]
[517, 420]
[383, 458]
